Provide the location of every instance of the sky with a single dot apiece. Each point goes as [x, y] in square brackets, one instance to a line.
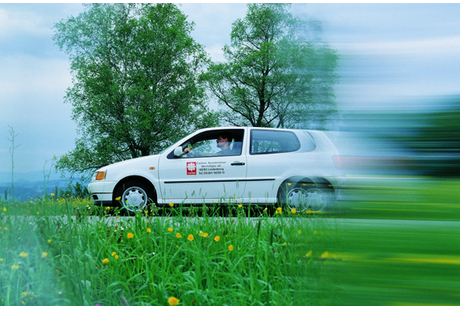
[390, 54]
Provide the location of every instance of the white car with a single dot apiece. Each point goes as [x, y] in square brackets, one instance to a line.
[297, 168]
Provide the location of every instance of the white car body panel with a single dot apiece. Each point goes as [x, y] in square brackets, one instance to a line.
[245, 178]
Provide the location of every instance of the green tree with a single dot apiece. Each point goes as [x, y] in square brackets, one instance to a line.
[277, 72]
[136, 89]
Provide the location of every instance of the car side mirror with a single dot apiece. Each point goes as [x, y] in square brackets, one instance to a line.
[178, 152]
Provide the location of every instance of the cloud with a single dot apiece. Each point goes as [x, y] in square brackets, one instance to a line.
[213, 21]
[13, 23]
[216, 53]
[24, 72]
[441, 45]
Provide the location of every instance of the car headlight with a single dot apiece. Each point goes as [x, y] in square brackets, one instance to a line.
[100, 175]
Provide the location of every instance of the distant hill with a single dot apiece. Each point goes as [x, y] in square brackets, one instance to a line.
[34, 176]
[31, 184]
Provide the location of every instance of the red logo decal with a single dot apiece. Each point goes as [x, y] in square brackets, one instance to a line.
[191, 168]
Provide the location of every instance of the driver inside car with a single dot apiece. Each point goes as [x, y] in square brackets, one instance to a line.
[223, 142]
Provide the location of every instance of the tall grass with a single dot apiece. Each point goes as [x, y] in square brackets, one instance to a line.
[146, 259]
[394, 243]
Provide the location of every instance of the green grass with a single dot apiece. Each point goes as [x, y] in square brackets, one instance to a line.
[227, 262]
[370, 253]
[423, 199]
[391, 262]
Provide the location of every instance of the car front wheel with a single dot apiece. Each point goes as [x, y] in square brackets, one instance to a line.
[134, 196]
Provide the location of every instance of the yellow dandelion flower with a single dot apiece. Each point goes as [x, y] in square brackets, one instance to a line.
[205, 235]
[201, 233]
[116, 256]
[171, 204]
[230, 247]
[44, 255]
[190, 238]
[178, 235]
[4, 209]
[173, 301]
[240, 206]
[170, 229]
[293, 211]
[308, 211]
[15, 267]
[114, 253]
[285, 243]
[118, 198]
[23, 254]
[108, 208]
[149, 230]
[309, 253]
[130, 235]
[289, 184]
[216, 238]
[105, 261]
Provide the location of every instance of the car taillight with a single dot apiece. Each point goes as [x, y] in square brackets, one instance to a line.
[337, 161]
[100, 175]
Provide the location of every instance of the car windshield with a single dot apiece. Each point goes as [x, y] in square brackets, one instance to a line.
[169, 146]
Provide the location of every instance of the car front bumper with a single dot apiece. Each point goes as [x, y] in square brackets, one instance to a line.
[102, 193]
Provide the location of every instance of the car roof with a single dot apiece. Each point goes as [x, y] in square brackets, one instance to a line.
[247, 127]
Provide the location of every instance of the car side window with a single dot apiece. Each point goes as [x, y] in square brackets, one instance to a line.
[273, 141]
[214, 143]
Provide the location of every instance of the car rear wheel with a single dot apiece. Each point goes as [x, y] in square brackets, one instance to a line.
[305, 196]
[134, 196]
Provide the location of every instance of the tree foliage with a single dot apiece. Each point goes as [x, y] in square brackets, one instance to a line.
[277, 72]
[136, 89]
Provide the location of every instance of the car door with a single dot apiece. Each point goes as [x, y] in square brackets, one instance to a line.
[221, 175]
[272, 155]
[177, 179]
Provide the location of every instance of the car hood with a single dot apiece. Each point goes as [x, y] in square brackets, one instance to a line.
[147, 160]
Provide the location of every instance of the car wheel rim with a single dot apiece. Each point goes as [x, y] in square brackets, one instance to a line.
[134, 198]
[317, 199]
[301, 199]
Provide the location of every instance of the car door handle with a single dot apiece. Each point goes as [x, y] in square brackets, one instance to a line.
[237, 164]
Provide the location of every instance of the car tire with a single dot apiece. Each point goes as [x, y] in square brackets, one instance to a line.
[134, 196]
[304, 196]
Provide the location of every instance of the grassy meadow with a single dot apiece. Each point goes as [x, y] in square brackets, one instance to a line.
[389, 243]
